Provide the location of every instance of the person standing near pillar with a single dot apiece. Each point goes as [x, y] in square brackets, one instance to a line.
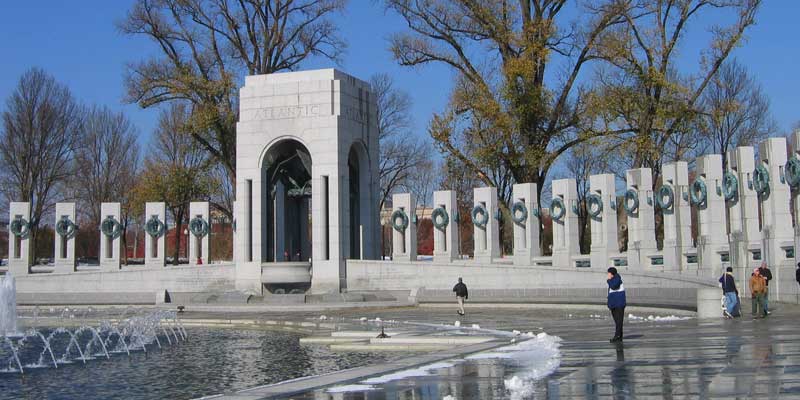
[758, 285]
[462, 294]
[767, 275]
[616, 302]
[730, 292]
[797, 274]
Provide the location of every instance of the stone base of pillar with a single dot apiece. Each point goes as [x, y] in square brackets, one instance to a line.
[64, 268]
[18, 270]
[672, 256]
[708, 303]
[110, 267]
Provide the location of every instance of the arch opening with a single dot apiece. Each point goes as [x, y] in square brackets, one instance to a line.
[286, 203]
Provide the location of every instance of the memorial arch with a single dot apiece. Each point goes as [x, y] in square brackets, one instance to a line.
[307, 181]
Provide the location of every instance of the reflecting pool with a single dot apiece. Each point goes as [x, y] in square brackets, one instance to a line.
[209, 361]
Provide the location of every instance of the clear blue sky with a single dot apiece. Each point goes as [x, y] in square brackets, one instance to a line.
[77, 42]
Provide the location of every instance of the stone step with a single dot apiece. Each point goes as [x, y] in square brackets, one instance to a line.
[429, 340]
[366, 334]
[389, 347]
[331, 339]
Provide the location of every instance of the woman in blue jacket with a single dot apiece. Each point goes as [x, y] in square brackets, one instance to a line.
[616, 302]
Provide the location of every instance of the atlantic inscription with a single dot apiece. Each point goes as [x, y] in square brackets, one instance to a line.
[306, 111]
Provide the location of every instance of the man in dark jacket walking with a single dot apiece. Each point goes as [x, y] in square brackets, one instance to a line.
[460, 290]
[767, 274]
[797, 274]
[729, 291]
[616, 302]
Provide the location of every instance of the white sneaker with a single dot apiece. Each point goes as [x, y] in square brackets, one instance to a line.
[727, 314]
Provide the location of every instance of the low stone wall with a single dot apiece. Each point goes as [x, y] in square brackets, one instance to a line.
[132, 281]
[398, 275]
[681, 298]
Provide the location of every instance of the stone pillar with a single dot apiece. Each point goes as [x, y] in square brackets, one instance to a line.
[745, 236]
[279, 216]
[19, 245]
[199, 231]
[526, 232]
[110, 236]
[708, 303]
[602, 219]
[795, 193]
[446, 241]
[404, 242]
[155, 214]
[776, 227]
[305, 245]
[486, 238]
[236, 257]
[712, 242]
[641, 221]
[565, 228]
[677, 217]
[64, 259]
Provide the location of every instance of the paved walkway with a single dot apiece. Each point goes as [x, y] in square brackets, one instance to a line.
[742, 358]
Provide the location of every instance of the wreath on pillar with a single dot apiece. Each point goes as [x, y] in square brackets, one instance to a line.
[792, 172]
[631, 203]
[154, 227]
[480, 217]
[699, 192]
[110, 227]
[399, 220]
[761, 180]
[730, 186]
[594, 204]
[519, 213]
[19, 227]
[198, 226]
[557, 204]
[440, 218]
[665, 197]
[65, 227]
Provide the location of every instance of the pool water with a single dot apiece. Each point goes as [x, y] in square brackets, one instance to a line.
[210, 361]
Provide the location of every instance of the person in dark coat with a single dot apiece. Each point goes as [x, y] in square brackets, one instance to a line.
[616, 302]
[729, 291]
[766, 274]
[797, 274]
[462, 294]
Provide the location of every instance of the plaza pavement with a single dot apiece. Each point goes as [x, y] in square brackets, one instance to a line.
[685, 359]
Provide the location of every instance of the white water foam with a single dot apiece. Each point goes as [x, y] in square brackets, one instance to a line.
[538, 357]
[651, 318]
[409, 373]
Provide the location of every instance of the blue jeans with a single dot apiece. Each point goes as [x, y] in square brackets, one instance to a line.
[766, 300]
[730, 301]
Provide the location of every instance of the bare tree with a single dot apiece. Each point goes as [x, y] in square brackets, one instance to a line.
[106, 163]
[176, 170]
[206, 45]
[583, 161]
[645, 97]
[519, 97]
[400, 152]
[422, 182]
[735, 111]
[39, 130]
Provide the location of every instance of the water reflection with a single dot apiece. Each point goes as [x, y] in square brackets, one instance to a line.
[468, 379]
[212, 361]
[621, 384]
